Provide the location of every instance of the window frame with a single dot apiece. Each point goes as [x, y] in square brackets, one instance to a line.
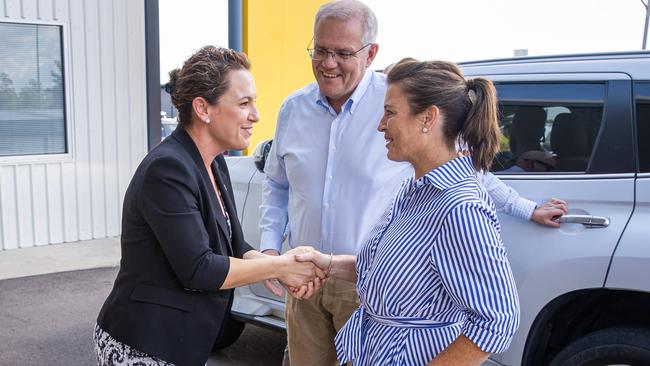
[68, 119]
[641, 174]
[608, 119]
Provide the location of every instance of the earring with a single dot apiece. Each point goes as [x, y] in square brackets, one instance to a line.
[207, 120]
[425, 130]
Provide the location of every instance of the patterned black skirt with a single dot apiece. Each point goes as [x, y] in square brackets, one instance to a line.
[111, 352]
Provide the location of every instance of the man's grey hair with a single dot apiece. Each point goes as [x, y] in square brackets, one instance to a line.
[345, 10]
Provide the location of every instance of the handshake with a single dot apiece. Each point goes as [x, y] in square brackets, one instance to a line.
[303, 272]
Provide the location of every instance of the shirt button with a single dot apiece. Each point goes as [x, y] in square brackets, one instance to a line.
[333, 147]
[327, 205]
[329, 177]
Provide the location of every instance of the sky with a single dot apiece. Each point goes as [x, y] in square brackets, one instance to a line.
[454, 30]
[186, 26]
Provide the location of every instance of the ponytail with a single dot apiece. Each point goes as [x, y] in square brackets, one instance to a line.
[469, 107]
[480, 130]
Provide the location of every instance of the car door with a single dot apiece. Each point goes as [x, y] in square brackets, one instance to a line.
[564, 136]
[252, 303]
[630, 267]
[251, 228]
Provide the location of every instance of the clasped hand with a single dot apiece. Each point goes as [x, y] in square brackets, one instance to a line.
[304, 273]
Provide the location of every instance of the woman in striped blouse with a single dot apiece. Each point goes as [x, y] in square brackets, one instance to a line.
[433, 278]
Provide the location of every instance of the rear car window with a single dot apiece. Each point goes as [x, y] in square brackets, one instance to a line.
[549, 127]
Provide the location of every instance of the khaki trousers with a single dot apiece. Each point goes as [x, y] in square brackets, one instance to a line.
[313, 323]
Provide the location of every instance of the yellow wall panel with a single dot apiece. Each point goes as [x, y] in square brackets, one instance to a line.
[276, 35]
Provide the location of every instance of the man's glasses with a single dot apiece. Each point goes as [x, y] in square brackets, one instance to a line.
[320, 54]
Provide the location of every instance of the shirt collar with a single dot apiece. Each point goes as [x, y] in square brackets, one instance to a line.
[351, 104]
[448, 174]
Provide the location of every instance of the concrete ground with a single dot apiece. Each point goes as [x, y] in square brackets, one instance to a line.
[50, 297]
[55, 258]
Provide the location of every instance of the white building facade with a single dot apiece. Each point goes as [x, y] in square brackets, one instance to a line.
[73, 117]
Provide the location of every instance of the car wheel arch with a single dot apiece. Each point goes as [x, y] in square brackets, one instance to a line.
[577, 313]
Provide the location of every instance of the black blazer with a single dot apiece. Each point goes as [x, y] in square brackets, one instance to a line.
[175, 240]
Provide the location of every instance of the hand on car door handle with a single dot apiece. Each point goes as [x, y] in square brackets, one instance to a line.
[589, 221]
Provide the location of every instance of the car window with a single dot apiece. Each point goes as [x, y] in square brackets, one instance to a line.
[642, 95]
[548, 128]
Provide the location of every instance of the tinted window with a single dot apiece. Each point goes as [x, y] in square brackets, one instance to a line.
[32, 113]
[548, 127]
[642, 91]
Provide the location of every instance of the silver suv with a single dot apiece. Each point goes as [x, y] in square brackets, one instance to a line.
[573, 127]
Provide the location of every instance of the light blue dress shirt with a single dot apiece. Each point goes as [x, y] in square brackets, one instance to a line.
[328, 179]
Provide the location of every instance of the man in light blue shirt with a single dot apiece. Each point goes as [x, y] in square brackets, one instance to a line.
[328, 179]
[327, 176]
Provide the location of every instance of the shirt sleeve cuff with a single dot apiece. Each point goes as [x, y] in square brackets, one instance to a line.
[485, 339]
[271, 240]
[524, 208]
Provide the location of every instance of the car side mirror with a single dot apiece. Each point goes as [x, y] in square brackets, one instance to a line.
[261, 153]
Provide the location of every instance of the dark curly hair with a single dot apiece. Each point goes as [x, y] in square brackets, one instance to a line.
[204, 75]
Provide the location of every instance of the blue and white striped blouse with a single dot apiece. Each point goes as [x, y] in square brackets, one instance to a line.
[434, 267]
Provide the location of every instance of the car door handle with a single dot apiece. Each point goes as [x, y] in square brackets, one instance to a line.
[589, 221]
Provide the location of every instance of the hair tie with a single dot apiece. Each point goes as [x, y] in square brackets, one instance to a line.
[169, 88]
[472, 95]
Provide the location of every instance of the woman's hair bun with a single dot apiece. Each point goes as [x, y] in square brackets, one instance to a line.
[173, 76]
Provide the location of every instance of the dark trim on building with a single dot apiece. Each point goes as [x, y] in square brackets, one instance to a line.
[152, 64]
[235, 25]
[235, 35]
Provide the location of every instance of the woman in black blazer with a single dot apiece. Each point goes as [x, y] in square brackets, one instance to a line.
[183, 249]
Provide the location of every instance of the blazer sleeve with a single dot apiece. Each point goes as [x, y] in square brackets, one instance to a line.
[239, 244]
[169, 202]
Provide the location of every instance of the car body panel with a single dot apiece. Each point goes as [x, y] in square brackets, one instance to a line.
[630, 268]
[633, 64]
[548, 262]
[241, 170]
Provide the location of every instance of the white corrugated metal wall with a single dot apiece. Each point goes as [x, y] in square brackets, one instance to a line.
[47, 200]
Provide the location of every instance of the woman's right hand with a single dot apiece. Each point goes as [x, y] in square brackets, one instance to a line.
[296, 274]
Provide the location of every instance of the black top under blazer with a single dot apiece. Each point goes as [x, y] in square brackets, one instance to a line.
[175, 240]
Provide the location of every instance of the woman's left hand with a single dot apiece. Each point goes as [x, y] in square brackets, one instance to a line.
[306, 291]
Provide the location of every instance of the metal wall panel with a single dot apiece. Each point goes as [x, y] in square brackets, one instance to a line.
[9, 208]
[13, 9]
[54, 203]
[24, 210]
[109, 120]
[80, 196]
[39, 208]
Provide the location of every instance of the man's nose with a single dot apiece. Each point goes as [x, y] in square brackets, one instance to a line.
[330, 60]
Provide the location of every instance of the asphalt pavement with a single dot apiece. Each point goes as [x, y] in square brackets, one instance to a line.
[48, 319]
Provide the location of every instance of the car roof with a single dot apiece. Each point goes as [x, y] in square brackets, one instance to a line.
[635, 64]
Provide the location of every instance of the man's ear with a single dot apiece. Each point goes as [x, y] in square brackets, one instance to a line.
[372, 53]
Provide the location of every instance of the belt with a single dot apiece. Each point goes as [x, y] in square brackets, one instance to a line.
[349, 339]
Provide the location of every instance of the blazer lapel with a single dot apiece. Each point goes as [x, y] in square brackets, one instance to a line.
[229, 207]
[237, 241]
[186, 141]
